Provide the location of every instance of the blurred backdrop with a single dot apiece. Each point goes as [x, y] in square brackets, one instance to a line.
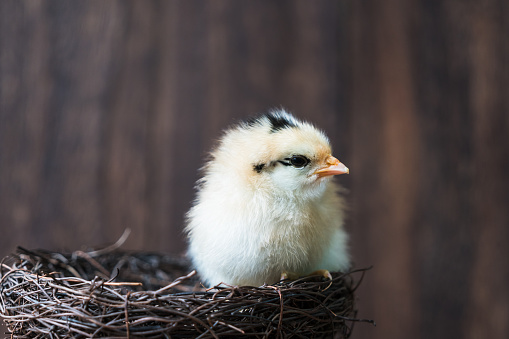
[108, 109]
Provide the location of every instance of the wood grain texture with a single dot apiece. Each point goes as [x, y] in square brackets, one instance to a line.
[108, 109]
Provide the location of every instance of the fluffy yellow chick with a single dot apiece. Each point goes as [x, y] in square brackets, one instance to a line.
[266, 205]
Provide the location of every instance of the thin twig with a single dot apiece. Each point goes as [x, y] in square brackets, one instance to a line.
[38, 304]
[113, 247]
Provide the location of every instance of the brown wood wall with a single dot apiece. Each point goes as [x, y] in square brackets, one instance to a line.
[107, 109]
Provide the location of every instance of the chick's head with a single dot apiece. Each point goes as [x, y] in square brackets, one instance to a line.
[278, 154]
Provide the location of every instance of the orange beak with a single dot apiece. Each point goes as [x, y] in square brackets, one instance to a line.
[333, 167]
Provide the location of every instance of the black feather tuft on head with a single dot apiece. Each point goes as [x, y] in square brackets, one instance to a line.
[277, 120]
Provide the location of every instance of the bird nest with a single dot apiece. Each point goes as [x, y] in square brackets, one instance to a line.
[113, 293]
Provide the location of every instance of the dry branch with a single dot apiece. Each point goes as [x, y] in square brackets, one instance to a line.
[125, 294]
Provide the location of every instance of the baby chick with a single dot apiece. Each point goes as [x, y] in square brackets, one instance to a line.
[266, 205]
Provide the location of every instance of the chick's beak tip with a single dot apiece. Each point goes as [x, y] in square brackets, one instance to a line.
[334, 167]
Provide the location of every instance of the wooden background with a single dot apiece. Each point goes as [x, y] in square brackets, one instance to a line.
[107, 109]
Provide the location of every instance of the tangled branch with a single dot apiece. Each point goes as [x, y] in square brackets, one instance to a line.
[124, 294]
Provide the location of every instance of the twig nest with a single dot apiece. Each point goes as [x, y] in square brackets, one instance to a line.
[126, 294]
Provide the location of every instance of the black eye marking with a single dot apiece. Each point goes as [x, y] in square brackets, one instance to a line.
[258, 168]
[297, 161]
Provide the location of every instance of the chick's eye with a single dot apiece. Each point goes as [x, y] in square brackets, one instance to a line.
[299, 161]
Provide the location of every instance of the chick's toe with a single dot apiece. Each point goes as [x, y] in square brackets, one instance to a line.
[324, 273]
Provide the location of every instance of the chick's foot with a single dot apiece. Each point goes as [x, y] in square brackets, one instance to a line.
[285, 275]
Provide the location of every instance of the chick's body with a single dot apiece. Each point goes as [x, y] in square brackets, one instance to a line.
[266, 205]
